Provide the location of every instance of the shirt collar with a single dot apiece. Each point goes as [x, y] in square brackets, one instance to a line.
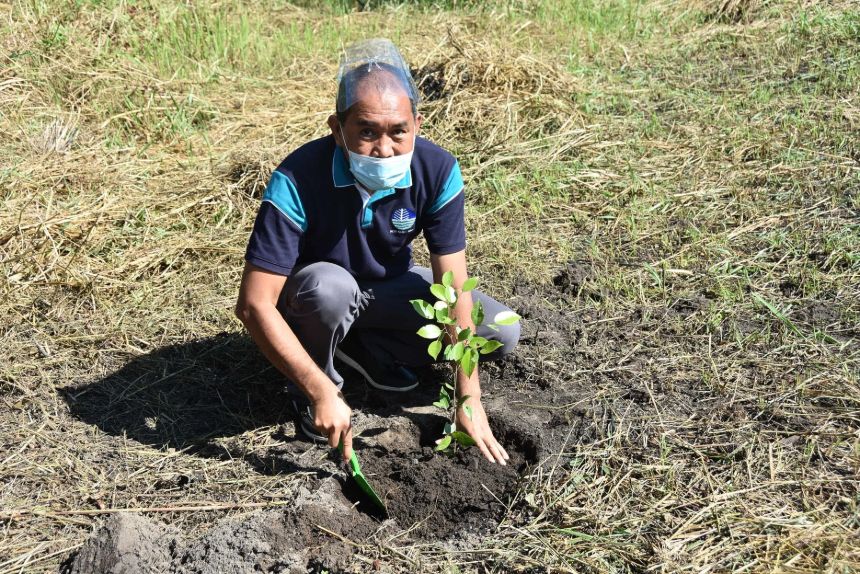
[342, 177]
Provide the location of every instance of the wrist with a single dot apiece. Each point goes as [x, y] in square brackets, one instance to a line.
[471, 391]
[322, 390]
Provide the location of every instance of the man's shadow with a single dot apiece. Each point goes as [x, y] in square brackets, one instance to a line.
[187, 396]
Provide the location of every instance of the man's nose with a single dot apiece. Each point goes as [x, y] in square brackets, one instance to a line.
[384, 147]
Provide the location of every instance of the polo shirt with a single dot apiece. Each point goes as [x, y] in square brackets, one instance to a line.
[313, 211]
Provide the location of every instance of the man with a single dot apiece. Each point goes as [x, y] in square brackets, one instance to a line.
[330, 252]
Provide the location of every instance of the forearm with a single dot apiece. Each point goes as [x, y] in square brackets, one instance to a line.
[279, 344]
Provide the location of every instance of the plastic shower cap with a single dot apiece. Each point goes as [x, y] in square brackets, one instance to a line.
[376, 60]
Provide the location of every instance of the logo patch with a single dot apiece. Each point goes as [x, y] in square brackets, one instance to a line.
[403, 219]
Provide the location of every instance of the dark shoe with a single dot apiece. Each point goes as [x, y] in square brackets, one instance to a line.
[306, 420]
[396, 378]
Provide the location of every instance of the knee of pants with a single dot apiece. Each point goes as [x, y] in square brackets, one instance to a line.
[323, 290]
[508, 336]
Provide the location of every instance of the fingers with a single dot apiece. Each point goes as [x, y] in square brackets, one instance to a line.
[333, 436]
[498, 452]
[485, 451]
[493, 452]
[347, 444]
[333, 419]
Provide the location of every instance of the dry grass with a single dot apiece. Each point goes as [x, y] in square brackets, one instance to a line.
[700, 163]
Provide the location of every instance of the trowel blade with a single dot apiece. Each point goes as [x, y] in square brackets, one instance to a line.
[363, 484]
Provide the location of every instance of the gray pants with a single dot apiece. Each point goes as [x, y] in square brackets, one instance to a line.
[322, 302]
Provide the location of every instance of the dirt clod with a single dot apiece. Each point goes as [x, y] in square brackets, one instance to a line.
[126, 544]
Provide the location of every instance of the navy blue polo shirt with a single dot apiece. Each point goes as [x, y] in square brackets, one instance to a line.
[312, 211]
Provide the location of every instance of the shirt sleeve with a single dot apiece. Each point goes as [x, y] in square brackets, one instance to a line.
[275, 242]
[444, 223]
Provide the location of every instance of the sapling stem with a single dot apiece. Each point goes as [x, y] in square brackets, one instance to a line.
[463, 348]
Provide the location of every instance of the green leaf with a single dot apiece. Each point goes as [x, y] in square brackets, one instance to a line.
[438, 291]
[444, 443]
[493, 326]
[442, 317]
[823, 337]
[449, 386]
[468, 410]
[434, 349]
[448, 278]
[443, 394]
[423, 308]
[477, 342]
[449, 428]
[777, 313]
[506, 318]
[489, 347]
[451, 294]
[430, 332]
[468, 361]
[463, 438]
[444, 293]
[477, 313]
[469, 284]
[464, 334]
[444, 404]
[456, 352]
[441, 312]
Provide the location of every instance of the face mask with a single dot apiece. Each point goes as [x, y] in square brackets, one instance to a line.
[377, 173]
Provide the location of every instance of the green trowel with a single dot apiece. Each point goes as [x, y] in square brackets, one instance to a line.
[358, 476]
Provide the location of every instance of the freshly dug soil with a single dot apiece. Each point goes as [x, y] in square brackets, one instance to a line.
[428, 489]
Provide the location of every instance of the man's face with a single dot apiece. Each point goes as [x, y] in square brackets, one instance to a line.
[379, 124]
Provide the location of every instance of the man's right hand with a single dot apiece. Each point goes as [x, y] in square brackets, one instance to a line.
[333, 418]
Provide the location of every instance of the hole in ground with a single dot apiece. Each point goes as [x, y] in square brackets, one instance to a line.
[439, 494]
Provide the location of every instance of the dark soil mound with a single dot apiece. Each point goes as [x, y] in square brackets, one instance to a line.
[427, 489]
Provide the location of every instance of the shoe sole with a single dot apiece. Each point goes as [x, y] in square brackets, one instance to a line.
[310, 432]
[340, 355]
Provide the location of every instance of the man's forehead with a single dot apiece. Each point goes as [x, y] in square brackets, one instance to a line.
[372, 103]
[380, 81]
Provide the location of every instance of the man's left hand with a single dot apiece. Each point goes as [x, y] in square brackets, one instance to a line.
[479, 429]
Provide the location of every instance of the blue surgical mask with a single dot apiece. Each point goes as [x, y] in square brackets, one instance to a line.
[377, 173]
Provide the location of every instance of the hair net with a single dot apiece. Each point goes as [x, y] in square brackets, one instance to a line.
[377, 61]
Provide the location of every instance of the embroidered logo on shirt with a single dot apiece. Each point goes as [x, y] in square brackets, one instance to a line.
[403, 220]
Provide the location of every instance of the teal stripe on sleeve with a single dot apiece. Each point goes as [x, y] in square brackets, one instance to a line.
[285, 197]
[453, 186]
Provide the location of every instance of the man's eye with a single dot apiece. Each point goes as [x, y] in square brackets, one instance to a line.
[366, 133]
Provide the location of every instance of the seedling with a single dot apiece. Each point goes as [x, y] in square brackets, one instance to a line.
[462, 348]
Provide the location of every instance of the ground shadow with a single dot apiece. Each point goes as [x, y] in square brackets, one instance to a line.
[185, 396]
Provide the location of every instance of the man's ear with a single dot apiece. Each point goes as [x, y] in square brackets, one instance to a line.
[419, 119]
[334, 126]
